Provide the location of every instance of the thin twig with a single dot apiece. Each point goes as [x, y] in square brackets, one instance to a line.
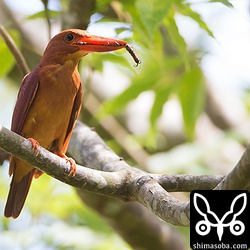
[47, 16]
[20, 61]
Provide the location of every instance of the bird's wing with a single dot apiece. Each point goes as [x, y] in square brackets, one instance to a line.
[25, 98]
[74, 115]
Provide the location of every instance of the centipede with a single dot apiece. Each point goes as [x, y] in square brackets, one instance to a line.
[133, 54]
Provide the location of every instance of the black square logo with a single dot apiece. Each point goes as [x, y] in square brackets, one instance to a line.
[220, 219]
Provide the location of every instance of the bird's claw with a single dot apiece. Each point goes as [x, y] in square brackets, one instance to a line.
[72, 163]
[35, 145]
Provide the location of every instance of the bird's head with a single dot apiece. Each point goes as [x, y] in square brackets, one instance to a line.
[73, 44]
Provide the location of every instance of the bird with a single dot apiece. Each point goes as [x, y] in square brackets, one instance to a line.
[48, 104]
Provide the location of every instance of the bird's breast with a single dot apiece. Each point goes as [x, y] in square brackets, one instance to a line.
[50, 112]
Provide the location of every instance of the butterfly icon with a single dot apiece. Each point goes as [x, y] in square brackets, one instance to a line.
[203, 227]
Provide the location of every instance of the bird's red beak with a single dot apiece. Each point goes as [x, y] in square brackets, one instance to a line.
[99, 44]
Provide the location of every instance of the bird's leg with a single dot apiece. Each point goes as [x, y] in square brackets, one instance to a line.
[35, 145]
[71, 162]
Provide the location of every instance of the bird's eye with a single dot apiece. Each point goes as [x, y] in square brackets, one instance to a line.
[69, 37]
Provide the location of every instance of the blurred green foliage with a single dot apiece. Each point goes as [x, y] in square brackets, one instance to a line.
[7, 60]
[168, 69]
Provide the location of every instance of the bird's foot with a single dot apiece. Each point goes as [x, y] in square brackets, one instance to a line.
[72, 163]
[35, 145]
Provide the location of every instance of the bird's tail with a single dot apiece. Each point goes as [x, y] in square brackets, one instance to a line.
[17, 195]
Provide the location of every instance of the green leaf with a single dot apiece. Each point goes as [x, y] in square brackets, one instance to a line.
[177, 40]
[7, 60]
[119, 58]
[161, 97]
[41, 14]
[151, 138]
[191, 93]
[225, 2]
[185, 9]
[118, 103]
[97, 60]
[158, 75]
[142, 82]
[152, 13]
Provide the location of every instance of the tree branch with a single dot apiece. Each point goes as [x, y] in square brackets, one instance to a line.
[78, 14]
[88, 179]
[239, 177]
[187, 183]
[111, 176]
[116, 178]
